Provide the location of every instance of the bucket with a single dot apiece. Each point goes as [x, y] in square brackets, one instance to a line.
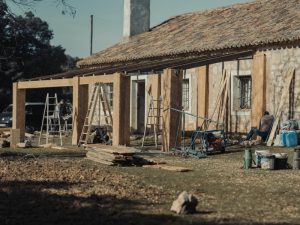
[280, 161]
[267, 161]
[296, 162]
[248, 159]
[258, 155]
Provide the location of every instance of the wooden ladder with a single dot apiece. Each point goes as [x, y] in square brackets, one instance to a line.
[106, 109]
[51, 119]
[99, 93]
[154, 116]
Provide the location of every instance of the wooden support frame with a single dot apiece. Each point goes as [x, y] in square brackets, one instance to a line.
[203, 93]
[172, 98]
[258, 105]
[121, 103]
[19, 98]
[80, 106]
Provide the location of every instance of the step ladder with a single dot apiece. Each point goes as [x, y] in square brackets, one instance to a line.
[51, 120]
[99, 95]
[154, 117]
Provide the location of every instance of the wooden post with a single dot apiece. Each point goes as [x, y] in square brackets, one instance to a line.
[172, 98]
[121, 110]
[203, 92]
[258, 88]
[80, 105]
[19, 97]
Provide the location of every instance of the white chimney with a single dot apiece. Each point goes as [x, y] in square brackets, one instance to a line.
[136, 17]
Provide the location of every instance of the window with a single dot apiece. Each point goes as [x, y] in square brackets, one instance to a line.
[110, 94]
[185, 94]
[245, 92]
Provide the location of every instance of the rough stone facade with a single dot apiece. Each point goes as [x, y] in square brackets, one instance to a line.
[277, 63]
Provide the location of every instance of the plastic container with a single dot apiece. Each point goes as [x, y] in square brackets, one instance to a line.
[281, 160]
[267, 161]
[258, 155]
[283, 137]
[291, 139]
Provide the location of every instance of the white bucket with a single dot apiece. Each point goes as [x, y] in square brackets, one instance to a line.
[259, 154]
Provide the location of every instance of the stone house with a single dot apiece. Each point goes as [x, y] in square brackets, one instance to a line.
[256, 42]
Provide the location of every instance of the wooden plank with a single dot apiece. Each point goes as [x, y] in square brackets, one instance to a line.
[100, 161]
[2, 130]
[169, 168]
[121, 150]
[221, 89]
[203, 93]
[284, 97]
[225, 99]
[97, 79]
[258, 103]
[45, 83]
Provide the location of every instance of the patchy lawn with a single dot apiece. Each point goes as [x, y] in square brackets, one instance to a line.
[40, 186]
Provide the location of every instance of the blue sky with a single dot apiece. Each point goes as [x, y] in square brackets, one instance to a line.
[74, 33]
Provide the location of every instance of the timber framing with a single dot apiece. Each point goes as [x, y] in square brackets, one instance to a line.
[80, 87]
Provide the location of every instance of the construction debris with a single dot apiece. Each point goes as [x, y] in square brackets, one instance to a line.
[185, 204]
[112, 156]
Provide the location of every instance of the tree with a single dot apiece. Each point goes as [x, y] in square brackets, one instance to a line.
[25, 51]
[64, 6]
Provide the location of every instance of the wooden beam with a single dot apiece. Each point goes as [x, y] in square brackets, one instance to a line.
[258, 105]
[80, 105]
[19, 97]
[121, 109]
[96, 78]
[203, 93]
[45, 83]
[172, 98]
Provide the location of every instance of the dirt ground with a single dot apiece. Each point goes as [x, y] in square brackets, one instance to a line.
[40, 186]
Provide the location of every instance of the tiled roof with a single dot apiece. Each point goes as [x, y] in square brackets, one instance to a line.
[258, 23]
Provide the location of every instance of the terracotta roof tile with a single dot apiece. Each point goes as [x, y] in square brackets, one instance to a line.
[242, 25]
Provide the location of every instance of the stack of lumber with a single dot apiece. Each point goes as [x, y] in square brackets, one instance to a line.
[114, 155]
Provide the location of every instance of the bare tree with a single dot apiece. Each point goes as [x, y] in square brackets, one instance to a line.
[63, 5]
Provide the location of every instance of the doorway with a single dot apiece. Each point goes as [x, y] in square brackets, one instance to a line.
[140, 106]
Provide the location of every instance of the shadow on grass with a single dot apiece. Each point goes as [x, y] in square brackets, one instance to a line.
[36, 152]
[35, 202]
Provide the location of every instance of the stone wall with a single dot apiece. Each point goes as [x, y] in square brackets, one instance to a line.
[278, 62]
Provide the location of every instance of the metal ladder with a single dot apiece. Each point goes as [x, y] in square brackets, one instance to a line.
[99, 94]
[51, 118]
[154, 116]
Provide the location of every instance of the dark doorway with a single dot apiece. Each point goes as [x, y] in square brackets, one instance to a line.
[140, 106]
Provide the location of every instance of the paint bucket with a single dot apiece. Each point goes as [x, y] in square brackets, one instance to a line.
[247, 159]
[258, 155]
[267, 161]
[296, 162]
[280, 161]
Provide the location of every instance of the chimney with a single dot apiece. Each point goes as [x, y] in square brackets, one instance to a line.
[136, 17]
